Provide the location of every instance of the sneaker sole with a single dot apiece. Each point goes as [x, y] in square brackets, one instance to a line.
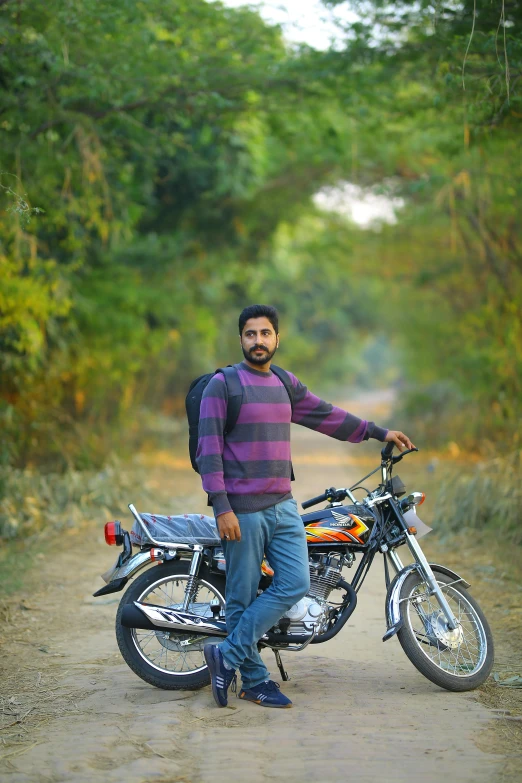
[264, 704]
[212, 668]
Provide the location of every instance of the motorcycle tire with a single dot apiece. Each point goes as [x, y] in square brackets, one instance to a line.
[140, 659]
[459, 660]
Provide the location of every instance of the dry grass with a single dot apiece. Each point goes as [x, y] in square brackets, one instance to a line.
[31, 699]
[505, 737]
[486, 495]
[494, 570]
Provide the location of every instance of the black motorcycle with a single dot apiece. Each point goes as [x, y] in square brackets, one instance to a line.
[177, 605]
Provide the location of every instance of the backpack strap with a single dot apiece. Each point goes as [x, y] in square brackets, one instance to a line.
[289, 386]
[285, 380]
[235, 400]
[235, 396]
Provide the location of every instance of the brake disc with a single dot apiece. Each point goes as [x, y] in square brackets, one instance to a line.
[438, 633]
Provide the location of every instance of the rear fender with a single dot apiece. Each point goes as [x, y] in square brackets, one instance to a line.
[393, 610]
[117, 577]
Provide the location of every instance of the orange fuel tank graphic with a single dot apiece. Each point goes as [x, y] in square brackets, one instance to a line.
[266, 568]
[340, 528]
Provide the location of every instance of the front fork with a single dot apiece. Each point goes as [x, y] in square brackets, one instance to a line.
[425, 569]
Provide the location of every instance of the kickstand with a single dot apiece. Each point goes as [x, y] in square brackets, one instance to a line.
[283, 672]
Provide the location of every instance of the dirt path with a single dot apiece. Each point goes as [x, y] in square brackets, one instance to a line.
[362, 712]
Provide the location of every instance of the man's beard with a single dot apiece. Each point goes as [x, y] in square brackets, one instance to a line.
[263, 359]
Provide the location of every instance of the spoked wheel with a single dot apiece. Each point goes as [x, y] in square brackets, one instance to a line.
[169, 659]
[458, 660]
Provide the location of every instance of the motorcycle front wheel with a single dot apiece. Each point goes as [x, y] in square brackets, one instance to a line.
[170, 660]
[458, 660]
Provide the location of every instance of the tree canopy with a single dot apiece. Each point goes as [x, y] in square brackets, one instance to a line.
[159, 162]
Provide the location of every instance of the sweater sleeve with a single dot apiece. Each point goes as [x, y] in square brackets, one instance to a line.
[316, 414]
[209, 455]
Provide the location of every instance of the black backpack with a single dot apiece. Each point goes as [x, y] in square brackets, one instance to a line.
[235, 400]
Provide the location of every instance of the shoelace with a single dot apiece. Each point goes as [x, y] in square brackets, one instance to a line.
[270, 685]
[231, 680]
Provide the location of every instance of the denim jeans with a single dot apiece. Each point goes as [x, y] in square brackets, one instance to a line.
[278, 533]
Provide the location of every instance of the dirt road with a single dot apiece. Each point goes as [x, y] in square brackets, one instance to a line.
[361, 711]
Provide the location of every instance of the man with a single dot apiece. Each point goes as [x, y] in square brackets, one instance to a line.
[247, 477]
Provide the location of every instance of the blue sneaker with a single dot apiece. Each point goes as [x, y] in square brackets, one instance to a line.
[267, 694]
[220, 677]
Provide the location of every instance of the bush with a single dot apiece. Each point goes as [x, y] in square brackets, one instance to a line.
[33, 502]
[489, 498]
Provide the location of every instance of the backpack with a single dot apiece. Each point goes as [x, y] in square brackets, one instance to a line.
[235, 400]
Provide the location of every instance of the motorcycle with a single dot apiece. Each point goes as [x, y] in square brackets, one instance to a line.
[177, 605]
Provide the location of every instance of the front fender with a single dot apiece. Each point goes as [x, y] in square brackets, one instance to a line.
[393, 610]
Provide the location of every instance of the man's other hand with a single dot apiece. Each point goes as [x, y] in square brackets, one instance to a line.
[228, 526]
[399, 438]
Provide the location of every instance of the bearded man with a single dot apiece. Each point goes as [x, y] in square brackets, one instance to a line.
[247, 474]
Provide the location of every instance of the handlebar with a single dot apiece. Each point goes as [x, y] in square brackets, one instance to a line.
[318, 499]
[333, 494]
[387, 451]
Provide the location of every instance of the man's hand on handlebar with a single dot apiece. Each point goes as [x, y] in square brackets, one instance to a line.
[400, 439]
[228, 526]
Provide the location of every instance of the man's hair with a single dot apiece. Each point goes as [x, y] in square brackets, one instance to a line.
[259, 311]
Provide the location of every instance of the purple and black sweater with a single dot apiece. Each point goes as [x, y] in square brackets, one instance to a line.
[249, 469]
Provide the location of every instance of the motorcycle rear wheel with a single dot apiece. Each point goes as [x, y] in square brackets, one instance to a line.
[157, 656]
[459, 660]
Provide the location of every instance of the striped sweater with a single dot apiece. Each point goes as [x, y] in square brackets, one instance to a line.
[249, 469]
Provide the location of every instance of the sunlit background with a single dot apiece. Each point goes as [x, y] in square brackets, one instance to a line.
[308, 22]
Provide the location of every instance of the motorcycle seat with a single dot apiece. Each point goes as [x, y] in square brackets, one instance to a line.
[182, 528]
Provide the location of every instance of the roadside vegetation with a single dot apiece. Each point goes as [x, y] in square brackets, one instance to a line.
[159, 163]
[484, 497]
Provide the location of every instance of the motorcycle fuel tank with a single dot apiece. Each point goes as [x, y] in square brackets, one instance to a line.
[339, 525]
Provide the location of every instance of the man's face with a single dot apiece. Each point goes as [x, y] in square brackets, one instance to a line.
[259, 341]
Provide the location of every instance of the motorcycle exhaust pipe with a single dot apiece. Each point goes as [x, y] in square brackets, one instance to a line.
[153, 618]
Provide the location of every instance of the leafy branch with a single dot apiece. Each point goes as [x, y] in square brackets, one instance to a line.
[20, 206]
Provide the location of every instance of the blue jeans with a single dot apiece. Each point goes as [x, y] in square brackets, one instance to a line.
[278, 533]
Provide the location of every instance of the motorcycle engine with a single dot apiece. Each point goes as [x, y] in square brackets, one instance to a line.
[313, 611]
[304, 616]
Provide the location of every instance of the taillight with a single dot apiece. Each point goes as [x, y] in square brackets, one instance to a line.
[113, 533]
